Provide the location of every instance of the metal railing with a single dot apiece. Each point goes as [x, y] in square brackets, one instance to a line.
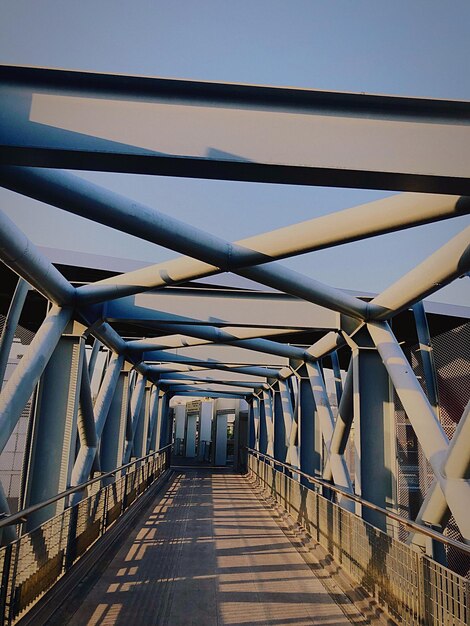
[31, 565]
[411, 587]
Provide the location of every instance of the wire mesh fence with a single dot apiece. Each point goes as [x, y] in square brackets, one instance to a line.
[31, 565]
[410, 587]
[451, 350]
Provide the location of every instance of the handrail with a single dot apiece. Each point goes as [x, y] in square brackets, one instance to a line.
[21, 516]
[424, 530]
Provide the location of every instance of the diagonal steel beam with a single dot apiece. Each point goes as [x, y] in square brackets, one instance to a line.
[175, 360]
[169, 342]
[86, 455]
[439, 269]
[339, 469]
[379, 217]
[22, 382]
[11, 322]
[216, 335]
[456, 465]
[80, 197]
[343, 423]
[22, 256]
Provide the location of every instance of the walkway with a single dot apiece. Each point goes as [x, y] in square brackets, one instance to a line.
[210, 553]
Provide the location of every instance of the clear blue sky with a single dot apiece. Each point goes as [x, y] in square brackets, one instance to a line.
[403, 47]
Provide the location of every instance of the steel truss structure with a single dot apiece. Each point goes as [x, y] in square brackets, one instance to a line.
[231, 345]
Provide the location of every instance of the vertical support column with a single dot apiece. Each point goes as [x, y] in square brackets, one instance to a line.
[374, 437]
[280, 448]
[158, 423]
[114, 432]
[180, 427]
[263, 433]
[269, 422]
[140, 438]
[154, 402]
[241, 436]
[290, 425]
[257, 421]
[137, 400]
[309, 432]
[251, 425]
[205, 429]
[165, 421]
[54, 428]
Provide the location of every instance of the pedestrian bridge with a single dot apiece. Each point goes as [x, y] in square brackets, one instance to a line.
[216, 438]
[198, 544]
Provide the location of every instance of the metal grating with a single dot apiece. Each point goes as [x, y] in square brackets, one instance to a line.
[410, 587]
[452, 361]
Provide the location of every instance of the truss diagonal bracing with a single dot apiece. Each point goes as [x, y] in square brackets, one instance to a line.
[102, 398]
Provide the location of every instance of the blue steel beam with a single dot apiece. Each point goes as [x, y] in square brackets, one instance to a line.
[83, 198]
[137, 399]
[154, 403]
[86, 455]
[22, 256]
[55, 118]
[449, 262]
[22, 382]
[374, 218]
[11, 322]
[425, 348]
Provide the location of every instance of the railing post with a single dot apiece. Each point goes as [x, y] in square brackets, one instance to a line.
[70, 550]
[4, 618]
[124, 494]
[105, 509]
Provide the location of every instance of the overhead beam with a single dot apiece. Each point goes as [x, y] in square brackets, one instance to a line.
[166, 342]
[83, 120]
[220, 307]
[229, 355]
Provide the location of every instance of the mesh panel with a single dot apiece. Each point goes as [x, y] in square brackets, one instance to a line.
[452, 362]
[11, 458]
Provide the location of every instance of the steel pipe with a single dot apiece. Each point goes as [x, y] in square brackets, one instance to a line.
[11, 322]
[441, 268]
[22, 382]
[22, 256]
[86, 455]
[80, 197]
[219, 335]
[339, 469]
[86, 415]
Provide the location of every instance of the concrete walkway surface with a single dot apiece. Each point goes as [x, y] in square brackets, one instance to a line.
[209, 552]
